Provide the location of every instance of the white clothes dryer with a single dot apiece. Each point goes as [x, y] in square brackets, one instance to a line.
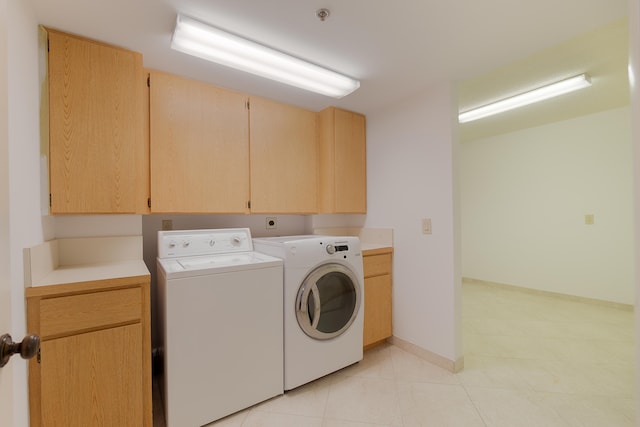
[220, 312]
[323, 303]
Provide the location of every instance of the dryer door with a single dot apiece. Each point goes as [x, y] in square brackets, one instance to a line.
[328, 301]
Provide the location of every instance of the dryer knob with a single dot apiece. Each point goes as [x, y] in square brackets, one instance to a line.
[331, 249]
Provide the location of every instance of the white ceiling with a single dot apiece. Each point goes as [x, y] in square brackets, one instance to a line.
[395, 48]
[602, 53]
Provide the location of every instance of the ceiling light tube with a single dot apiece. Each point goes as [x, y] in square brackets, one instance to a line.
[204, 41]
[526, 98]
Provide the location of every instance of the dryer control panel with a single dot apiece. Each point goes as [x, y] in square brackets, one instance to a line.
[332, 249]
[181, 243]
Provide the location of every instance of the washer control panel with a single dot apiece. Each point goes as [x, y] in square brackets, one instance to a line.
[181, 243]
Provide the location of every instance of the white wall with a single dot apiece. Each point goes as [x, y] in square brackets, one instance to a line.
[524, 199]
[410, 168]
[634, 79]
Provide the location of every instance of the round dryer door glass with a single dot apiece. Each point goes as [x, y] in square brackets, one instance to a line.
[328, 301]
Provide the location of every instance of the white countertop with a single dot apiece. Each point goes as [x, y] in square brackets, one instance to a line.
[87, 273]
[373, 246]
[65, 261]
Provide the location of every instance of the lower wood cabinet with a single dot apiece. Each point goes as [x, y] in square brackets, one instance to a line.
[377, 296]
[94, 366]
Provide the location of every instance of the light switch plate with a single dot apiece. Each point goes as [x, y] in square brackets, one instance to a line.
[426, 226]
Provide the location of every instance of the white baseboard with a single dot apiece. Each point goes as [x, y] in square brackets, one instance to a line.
[431, 357]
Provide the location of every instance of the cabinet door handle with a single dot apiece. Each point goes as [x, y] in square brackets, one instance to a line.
[27, 348]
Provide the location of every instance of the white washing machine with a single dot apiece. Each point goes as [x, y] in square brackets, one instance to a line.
[323, 303]
[220, 311]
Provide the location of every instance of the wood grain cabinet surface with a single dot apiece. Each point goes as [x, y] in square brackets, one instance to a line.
[284, 159]
[343, 159]
[98, 161]
[94, 366]
[118, 140]
[378, 326]
[199, 147]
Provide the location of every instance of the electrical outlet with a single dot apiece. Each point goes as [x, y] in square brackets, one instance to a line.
[167, 224]
[426, 226]
[271, 223]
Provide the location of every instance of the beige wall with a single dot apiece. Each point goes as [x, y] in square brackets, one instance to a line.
[634, 78]
[525, 195]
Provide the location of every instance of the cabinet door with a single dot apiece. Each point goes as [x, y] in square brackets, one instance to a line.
[350, 161]
[97, 151]
[377, 309]
[283, 158]
[343, 175]
[199, 147]
[93, 379]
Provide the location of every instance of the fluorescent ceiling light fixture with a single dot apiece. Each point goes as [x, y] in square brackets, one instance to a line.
[526, 98]
[204, 41]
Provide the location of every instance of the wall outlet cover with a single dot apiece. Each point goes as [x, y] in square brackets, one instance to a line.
[271, 223]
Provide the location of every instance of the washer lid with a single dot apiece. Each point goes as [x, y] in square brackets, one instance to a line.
[215, 264]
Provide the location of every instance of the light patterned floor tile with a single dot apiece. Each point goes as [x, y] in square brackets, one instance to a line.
[308, 400]
[257, 418]
[234, 420]
[369, 400]
[495, 372]
[510, 408]
[426, 404]
[588, 411]
[377, 363]
[341, 423]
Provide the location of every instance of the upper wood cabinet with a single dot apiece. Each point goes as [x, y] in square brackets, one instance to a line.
[199, 147]
[284, 168]
[98, 161]
[343, 158]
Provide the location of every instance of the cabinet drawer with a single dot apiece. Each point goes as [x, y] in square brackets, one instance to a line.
[375, 265]
[64, 315]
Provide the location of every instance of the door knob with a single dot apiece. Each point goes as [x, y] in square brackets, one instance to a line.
[27, 348]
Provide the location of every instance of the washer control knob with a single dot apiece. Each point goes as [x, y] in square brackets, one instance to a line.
[236, 241]
[331, 249]
[185, 244]
[172, 245]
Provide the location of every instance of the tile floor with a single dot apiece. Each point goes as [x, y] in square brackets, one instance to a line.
[530, 360]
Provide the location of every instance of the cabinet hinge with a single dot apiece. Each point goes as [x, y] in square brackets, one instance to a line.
[249, 204]
[248, 105]
[47, 45]
[149, 202]
[49, 199]
[39, 356]
[148, 80]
